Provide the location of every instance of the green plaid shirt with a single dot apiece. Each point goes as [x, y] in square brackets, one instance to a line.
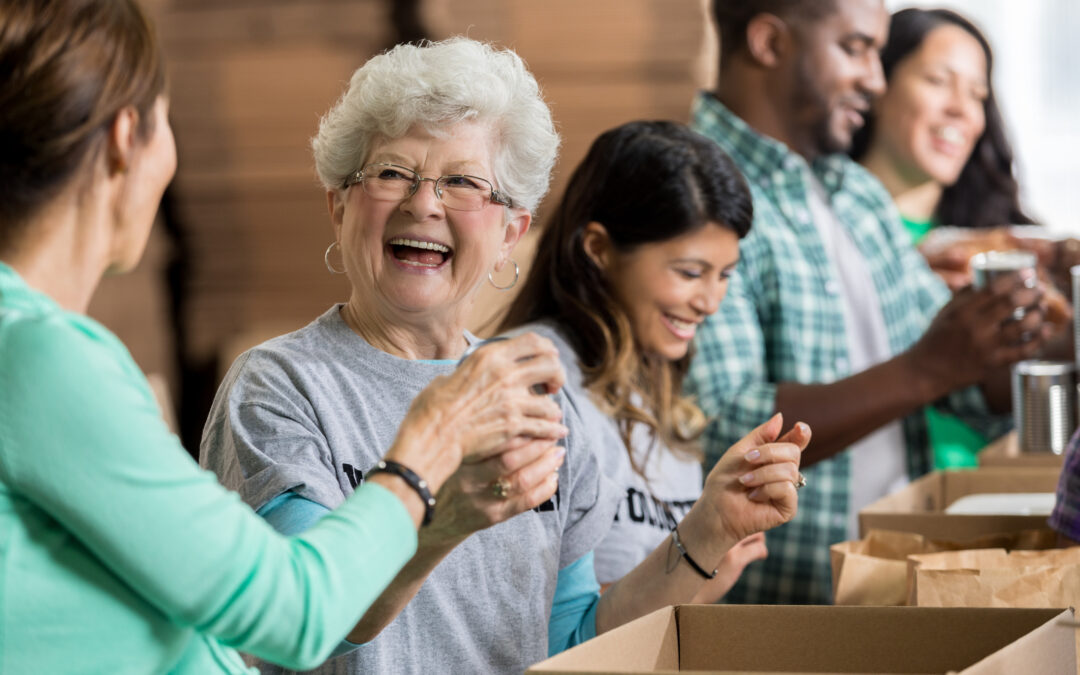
[783, 321]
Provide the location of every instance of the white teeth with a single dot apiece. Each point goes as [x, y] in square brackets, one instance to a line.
[950, 134]
[427, 245]
[680, 324]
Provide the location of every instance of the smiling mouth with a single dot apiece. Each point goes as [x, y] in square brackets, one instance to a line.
[683, 329]
[416, 253]
[949, 134]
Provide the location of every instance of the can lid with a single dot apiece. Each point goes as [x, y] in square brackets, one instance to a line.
[1004, 260]
[1038, 367]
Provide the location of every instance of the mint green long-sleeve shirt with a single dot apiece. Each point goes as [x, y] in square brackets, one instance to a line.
[118, 554]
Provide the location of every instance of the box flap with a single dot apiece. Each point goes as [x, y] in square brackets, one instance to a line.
[802, 639]
[920, 506]
[1047, 650]
[649, 644]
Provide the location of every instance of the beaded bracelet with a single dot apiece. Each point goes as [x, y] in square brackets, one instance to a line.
[682, 551]
[415, 482]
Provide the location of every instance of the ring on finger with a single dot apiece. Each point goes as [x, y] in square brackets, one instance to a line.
[500, 489]
[801, 482]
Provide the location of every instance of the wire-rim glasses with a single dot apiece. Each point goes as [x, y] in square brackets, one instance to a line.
[461, 192]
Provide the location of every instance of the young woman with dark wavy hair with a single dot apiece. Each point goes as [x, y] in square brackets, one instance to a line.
[637, 254]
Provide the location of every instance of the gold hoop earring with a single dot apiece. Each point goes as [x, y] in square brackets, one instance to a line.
[517, 273]
[326, 259]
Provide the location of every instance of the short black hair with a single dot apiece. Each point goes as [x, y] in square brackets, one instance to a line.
[733, 16]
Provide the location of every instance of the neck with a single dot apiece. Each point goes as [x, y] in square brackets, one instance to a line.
[63, 251]
[421, 337]
[748, 97]
[916, 197]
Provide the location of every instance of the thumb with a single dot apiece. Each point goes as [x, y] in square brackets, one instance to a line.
[766, 433]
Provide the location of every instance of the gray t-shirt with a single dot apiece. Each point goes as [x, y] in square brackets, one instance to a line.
[314, 410]
[649, 506]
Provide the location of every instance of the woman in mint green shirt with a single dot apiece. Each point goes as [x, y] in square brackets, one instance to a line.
[117, 553]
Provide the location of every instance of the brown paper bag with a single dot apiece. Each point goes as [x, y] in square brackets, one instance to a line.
[873, 571]
[995, 578]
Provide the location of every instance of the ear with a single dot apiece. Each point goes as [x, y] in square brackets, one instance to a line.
[516, 228]
[767, 37]
[123, 138]
[596, 242]
[335, 204]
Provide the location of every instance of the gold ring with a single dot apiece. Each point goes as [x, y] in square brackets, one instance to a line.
[801, 483]
[501, 488]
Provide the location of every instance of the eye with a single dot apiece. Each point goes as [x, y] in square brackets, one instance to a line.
[390, 173]
[463, 182]
[688, 273]
[726, 274]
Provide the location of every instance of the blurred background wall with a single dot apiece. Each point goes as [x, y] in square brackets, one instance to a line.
[237, 255]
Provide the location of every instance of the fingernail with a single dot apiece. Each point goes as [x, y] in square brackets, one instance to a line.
[746, 478]
[803, 427]
[563, 430]
[560, 452]
[753, 455]
[554, 478]
[754, 493]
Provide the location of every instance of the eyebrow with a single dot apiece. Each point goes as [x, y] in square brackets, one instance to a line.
[455, 167]
[859, 36]
[707, 265]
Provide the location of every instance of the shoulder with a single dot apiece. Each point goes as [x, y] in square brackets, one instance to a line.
[59, 346]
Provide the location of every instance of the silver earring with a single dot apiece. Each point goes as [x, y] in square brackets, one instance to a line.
[517, 272]
[326, 259]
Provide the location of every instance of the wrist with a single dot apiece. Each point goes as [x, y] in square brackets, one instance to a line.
[400, 489]
[924, 379]
[413, 481]
[705, 537]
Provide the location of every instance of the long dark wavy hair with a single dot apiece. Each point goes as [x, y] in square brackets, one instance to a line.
[645, 182]
[986, 193]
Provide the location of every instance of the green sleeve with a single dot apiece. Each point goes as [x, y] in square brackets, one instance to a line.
[82, 440]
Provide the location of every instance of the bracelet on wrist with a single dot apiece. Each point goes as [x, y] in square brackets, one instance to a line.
[418, 484]
[686, 556]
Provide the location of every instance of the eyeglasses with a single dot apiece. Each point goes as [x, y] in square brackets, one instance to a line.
[393, 183]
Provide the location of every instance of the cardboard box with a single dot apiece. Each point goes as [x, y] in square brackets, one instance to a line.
[1005, 452]
[920, 507]
[807, 639]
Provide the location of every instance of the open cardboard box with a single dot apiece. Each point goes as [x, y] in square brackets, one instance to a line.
[815, 639]
[920, 507]
[1005, 452]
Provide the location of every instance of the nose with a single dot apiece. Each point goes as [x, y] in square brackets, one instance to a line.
[708, 299]
[873, 79]
[423, 204]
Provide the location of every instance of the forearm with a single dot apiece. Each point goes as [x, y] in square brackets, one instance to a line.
[664, 578]
[847, 410]
[400, 592]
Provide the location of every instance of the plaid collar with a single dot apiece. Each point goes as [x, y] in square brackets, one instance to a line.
[760, 157]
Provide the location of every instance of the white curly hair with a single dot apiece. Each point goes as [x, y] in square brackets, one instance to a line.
[437, 85]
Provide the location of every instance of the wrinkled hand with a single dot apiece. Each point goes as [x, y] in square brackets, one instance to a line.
[484, 408]
[975, 334]
[752, 488]
[468, 501]
[731, 568]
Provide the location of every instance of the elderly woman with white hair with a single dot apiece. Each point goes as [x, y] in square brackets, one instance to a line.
[433, 161]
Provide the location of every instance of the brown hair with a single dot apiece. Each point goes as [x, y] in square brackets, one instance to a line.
[69, 67]
[645, 182]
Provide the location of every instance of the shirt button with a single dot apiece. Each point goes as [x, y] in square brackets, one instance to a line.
[832, 287]
[841, 366]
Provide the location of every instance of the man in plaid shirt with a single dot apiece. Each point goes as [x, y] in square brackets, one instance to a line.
[832, 317]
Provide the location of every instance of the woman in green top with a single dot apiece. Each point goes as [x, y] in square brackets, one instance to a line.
[937, 142]
[117, 554]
